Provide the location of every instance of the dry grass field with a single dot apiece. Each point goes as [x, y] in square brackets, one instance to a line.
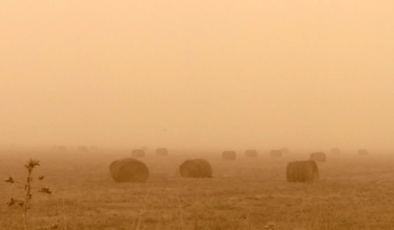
[354, 192]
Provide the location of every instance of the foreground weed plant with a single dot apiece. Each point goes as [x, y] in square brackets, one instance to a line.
[24, 201]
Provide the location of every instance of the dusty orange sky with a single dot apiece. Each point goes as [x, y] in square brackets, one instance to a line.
[211, 73]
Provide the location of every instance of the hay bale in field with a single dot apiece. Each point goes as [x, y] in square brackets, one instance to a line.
[129, 170]
[162, 152]
[302, 171]
[335, 151]
[318, 157]
[363, 152]
[196, 168]
[276, 153]
[83, 148]
[229, 155]
[139, 153]
[251, 153]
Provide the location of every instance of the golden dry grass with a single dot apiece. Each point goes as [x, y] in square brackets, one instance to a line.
[354, 192]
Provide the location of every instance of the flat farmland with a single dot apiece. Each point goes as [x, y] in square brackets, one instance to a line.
[354, 192]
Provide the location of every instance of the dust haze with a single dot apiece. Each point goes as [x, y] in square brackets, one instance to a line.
[299, 74]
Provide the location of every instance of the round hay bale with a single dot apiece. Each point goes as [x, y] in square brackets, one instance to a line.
[363, 152]
[276, 153]
[251, 153]
[162, 152]
[302, 171]
[335, 151]
[290, 172]
[138, 153]
[229, 155]
[318, 157]
[129, 170]
[196, 168]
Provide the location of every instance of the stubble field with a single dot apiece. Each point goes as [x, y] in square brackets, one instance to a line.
[354, 192]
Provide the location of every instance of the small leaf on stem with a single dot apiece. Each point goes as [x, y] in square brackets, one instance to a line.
[46, 190]
[9, 180]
